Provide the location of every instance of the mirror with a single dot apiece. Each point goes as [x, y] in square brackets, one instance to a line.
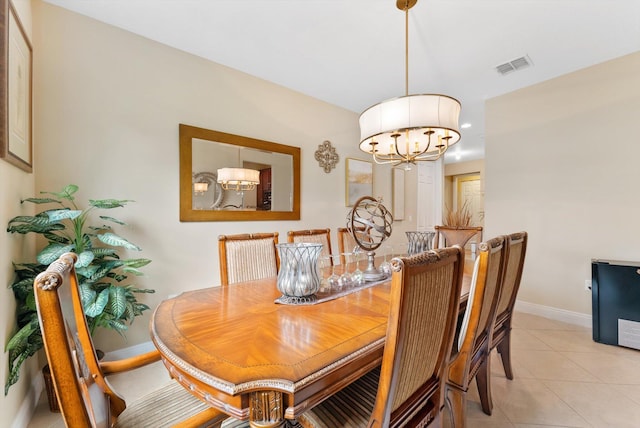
[268, 187]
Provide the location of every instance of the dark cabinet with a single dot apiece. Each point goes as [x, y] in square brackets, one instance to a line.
[264, 190]
[615, 293]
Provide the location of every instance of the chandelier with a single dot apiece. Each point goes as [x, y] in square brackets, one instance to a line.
[238, 179]
[409, 128]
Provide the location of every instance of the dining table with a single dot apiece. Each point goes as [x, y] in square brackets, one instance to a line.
[243, 353]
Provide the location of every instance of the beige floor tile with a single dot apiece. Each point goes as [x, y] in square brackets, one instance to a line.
[602, 405]
[497, 370]
[632, 392]
[529, 401]
[568, 340]
[526, 339]
[551, 365]
[43, 417]
[609, 368]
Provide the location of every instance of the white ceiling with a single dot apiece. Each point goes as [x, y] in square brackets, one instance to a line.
[351, 52]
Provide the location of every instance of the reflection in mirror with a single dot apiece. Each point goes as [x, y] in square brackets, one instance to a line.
[226, 177]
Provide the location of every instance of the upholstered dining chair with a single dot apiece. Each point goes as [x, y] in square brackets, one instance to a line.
[408, 388]
[84, 396]
[346, 243]
[247, 257]
[314, 236]
[516, 249]
[471, 353]
[447, 236]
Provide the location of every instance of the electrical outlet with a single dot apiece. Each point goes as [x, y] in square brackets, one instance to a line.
[587, 284]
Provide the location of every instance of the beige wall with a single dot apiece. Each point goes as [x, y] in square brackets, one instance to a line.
[14, 185]
[109, 106]
[562, 163]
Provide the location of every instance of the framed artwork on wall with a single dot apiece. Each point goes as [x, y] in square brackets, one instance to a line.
[397, 179]
[16, 146]
[359, 180]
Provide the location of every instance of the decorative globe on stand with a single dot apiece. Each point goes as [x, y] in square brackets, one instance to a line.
[369, 222]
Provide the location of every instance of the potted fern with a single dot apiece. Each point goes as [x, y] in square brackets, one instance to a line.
[108, 297]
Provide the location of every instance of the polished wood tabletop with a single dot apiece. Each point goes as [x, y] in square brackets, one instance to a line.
[229, 344]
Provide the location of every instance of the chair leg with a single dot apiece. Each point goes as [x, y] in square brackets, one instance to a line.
[457, 406]
[504, 349]
[483, 382]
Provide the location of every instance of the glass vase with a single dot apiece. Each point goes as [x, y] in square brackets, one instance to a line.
[298, 275]
[419, 241]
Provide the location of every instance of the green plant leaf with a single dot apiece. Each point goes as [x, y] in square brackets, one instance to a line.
[136, 263]
[87, 294]
[132, 270]
[96, 307]
[52, 237]
[28, 228]
[115, 220]
[87, 272]
[67, 192]
[84, 259]
[51, 252]
[98, 228]
[101, 252]
[117, 301]
[104, 268]
[117, 241]
[58, 215]
[108, 203]
[40, 200]
[19, 339]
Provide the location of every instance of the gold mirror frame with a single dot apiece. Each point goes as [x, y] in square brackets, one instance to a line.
[187, 213]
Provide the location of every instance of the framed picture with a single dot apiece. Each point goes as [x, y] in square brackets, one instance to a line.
[359, 178]
[16, 145]
[397, 179]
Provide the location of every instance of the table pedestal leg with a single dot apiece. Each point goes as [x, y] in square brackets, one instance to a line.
[265, 409]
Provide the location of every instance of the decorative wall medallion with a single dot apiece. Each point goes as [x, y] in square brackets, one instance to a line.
[326, 156]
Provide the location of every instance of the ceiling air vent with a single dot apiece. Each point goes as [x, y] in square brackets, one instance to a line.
[514, 65]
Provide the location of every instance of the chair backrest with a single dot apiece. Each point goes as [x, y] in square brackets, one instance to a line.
[479, 317]
[447, 236]
[346, 243]
[83, 395]
[516, 244]
[247, 257]
[313, 236]
[424, 302]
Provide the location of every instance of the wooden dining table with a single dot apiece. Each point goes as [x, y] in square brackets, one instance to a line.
[252, 358]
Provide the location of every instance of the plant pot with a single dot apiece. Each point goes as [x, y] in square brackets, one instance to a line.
[52, 397]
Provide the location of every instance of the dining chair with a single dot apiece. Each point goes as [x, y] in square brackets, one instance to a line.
[471, 352]
[447, 236]
[247, 257]
[408, 388]
[346, 243]
[313, 236]
[85, 398]
[501, 339]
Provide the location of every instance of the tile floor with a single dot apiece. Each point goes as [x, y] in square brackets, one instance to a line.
[562, 379]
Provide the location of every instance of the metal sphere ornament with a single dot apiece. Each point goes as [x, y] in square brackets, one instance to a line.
[369, 222]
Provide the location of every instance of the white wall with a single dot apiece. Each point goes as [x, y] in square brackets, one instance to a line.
[562, 162]
[109, 106]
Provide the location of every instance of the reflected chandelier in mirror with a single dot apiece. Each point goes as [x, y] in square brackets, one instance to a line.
[204, 153]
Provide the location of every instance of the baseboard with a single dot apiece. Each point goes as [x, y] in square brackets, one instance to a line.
[28, 406]
[563, 315]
